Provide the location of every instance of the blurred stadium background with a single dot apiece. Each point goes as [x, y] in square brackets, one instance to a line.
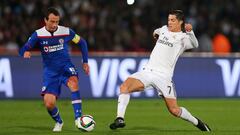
[120, 39]
[113, 25]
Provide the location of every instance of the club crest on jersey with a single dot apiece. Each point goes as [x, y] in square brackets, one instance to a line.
[61, 41]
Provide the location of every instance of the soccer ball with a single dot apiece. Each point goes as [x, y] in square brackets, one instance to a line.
[86, 123]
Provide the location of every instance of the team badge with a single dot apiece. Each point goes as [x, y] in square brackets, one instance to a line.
[61, 41]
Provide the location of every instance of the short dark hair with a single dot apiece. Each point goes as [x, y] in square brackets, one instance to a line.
[51, 10]
[180, 17]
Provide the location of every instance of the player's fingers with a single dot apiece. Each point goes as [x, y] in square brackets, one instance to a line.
[188, 28]
[27, 56]
[87, 70]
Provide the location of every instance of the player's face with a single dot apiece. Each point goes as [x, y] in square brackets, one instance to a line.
[174, 25]
[52, 22]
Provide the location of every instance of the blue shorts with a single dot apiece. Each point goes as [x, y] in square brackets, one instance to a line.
[54, 78]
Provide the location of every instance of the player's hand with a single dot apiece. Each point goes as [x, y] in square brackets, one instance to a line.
[86, 68]
[188, 27]
[27, 55]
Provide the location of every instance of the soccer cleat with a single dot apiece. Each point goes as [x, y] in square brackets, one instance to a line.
[202, 126]
[77, 122]
[58, 127]
[118, 123]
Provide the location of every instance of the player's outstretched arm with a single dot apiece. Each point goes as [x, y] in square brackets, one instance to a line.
[84, 49]
[24, 51]
[192, 37]
[81, 42]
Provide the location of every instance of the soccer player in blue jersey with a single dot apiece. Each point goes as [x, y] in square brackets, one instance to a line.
[58, 69]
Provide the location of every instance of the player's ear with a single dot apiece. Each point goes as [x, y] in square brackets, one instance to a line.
[181, 22]
[45, 19]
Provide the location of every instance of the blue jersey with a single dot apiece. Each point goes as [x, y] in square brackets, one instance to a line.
[54, 46]
[56, 61]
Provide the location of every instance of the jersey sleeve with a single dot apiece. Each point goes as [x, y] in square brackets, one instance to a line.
[81, 43]
[75, 38]
[29, 44]
[157, 32]
[190, 40]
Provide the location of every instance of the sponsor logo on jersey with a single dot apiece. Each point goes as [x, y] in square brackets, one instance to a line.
[53, 48]
[165, 42]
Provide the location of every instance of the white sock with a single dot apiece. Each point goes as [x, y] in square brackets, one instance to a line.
[123, 101]
[186, 115]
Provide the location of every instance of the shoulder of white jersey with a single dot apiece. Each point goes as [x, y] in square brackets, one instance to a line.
[61, 31]
[42, 32]
[164, 27]
[159, 30]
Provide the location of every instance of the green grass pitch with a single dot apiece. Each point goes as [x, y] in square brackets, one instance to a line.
[143, 117]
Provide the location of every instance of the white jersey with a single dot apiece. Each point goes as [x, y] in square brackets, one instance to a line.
[168, 48]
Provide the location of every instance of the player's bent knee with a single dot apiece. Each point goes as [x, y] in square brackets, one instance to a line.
[49, 101]
[124, 88]
[49, 104]
[174, 111]
[73, 84]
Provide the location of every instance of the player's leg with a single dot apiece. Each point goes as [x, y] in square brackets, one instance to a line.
[184, 114]
[166, 88]
[128, 86]
[50, 104]
[72, 84]
[70, 79]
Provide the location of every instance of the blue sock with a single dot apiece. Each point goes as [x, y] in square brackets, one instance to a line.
[77, 104]
[55, 115]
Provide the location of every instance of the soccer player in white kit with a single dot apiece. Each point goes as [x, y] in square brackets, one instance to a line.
[172, 41]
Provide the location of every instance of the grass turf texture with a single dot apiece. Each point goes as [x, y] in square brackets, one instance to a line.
[143, 117]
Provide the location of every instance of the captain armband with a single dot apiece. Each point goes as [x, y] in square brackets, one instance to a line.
[76, 39]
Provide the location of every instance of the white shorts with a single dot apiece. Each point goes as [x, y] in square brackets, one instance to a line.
[163, 85]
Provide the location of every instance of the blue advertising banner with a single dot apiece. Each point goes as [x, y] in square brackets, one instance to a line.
[194, 77]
